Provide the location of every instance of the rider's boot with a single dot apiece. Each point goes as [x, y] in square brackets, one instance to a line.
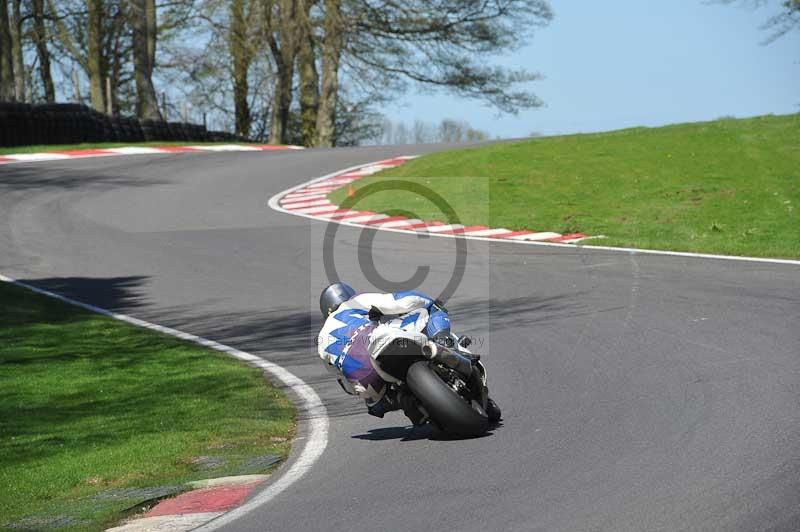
[411, 409]
[388, 403]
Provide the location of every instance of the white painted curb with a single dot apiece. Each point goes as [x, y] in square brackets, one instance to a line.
[274, 203]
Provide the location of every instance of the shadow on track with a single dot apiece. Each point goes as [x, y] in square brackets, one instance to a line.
[411, 433]
[120, 294]
[21, 178]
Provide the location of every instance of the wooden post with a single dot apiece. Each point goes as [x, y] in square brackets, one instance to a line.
[76, 86]
[109, 102]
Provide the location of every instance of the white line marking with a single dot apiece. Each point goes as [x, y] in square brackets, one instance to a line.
[226, 147]
[135, 150]
[488, 232]
[401, 223]
[316, 438]
[332, 182]
[303, 204]
[303, 196]
[273, 203]
[366, 218]
[536, 236]
[328, 215]
[321, 209]
[440, 228]
[27, 157]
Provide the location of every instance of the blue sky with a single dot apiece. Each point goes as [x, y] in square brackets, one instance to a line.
[609, 65]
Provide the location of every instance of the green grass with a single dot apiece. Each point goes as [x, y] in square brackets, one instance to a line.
[729, 186]
[89, 404]
[43, 148]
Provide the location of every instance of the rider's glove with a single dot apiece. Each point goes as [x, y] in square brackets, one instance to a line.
[444, 339]
[375, 314]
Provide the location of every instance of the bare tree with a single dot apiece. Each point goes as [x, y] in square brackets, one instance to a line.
[422, 133]
[309, 78]
[447, 45]
[400, 134]
[40, 38]
[280, 22]
[16, 50]
[778, 25]
[220, 64]
[332, 44]
[242, 52]
[6, 56]
[94, 54]
[448, 130]
[97, 35]
[143, 22]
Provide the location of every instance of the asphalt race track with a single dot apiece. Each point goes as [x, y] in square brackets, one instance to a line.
[640, 392]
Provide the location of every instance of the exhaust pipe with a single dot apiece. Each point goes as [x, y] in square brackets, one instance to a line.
[448, 357]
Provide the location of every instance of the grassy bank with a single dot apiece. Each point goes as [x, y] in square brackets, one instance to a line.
[43, 148]
[728, 186]
[93, 411]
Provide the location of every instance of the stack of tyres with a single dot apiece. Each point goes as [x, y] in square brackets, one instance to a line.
[96, 130]
[7, 124]
[27, 130]
[124, 129]
[186, 133]
[15, 123]
[146, 126]
[117, 135]
[24, 124]
[136, 130]
[50, 125]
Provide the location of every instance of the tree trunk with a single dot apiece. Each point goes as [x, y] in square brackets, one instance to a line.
[329, 91]
[241, 54]
[309, 79]
[146, 101]
[42, 53]
[282, 101]
[94, 59]
[284, 56]
[152, 33]
[6, 56]
[16, 47]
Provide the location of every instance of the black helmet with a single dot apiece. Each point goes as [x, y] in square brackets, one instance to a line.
[333, 296]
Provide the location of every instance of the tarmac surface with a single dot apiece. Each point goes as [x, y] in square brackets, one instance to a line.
[640, 392]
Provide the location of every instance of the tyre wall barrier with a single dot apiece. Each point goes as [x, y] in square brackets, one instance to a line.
[23, 124]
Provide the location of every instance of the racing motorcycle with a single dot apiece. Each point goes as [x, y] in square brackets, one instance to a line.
[447, 381]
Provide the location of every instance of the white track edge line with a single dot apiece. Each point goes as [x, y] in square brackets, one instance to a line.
[117, 154]
[275, 205]
[316, 439]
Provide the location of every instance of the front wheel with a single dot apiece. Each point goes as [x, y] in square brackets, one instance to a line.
[445, 407]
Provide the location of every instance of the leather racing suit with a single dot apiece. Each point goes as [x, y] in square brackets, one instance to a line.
[343, 343]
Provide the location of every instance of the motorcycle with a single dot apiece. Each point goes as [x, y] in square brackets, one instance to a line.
[446, 380]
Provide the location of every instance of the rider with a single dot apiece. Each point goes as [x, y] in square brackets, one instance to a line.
[344, 340]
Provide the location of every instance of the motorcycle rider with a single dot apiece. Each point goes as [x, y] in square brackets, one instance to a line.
[344, 341]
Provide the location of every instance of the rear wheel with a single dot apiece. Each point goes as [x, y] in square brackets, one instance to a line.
[453, 413]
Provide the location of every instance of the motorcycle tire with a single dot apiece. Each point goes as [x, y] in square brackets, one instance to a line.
[493, 411]
[448, 410]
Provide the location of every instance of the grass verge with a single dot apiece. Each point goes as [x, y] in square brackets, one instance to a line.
[93, 410]
[729, 186]
[44, 148]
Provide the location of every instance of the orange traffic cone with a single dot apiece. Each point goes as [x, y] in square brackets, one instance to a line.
[351, 191]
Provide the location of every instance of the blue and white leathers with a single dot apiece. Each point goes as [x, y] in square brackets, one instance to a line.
[347, 334]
